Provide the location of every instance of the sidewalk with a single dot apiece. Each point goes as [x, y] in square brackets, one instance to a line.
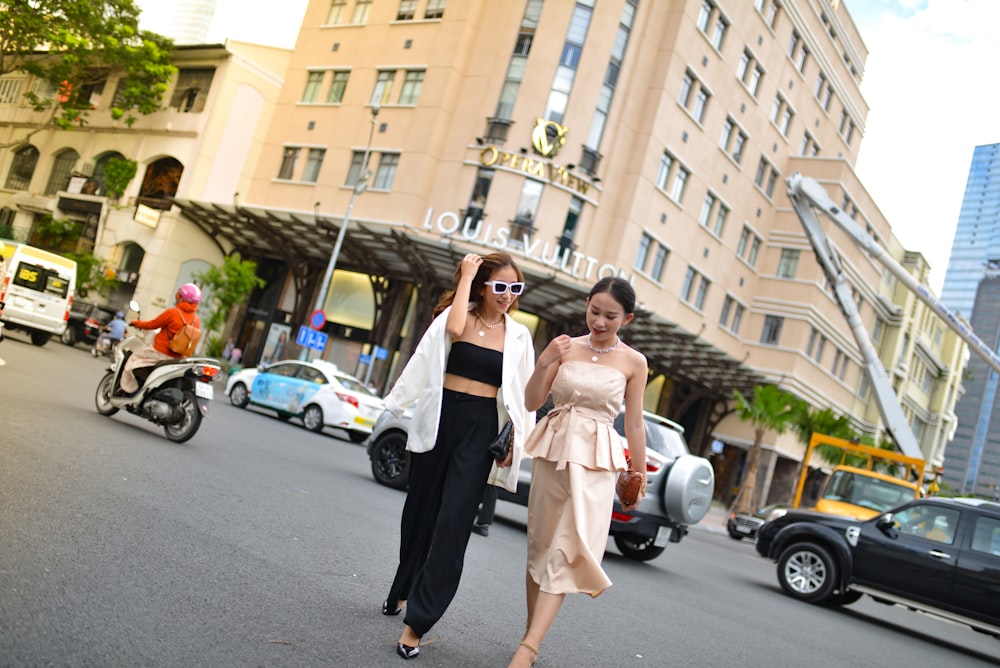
[715, 518]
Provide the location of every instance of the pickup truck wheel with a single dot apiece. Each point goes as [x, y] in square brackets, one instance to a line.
[807, 571]
[636, 547]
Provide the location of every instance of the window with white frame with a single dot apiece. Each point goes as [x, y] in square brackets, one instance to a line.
[733, 140]
[361, 10]
[782, 114]
[659, 262]
[798, 51]
[789, 262]
[383, 87]
[693, 95]
[336, 14]
[338, 85]
[314, 162]
[823, 92]
[10, 89]
[695, 287]
[766, 177]
[412, 84]
[846, 127]
[750, 72]
[289, 156]
[770, 334]
[314, 81]
[732, 314]
[435, 9]
[649, 247]
[407, 10]
[385, 174]
[672, 177]
[768, 10]
[809, 146]
[713, 214]
[712, 23]
[817, 342]
[642, 254]
[289, 169]
[749, 246]
[839, 367]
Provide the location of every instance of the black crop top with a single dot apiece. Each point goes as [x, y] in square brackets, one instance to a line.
[475, 363]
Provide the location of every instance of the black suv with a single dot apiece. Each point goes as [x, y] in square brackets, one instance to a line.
[941, 556]
[85, 322]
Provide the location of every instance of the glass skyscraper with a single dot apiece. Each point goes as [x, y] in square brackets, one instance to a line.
[971, 288]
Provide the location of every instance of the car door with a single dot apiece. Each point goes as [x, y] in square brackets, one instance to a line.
[275, 386]
[915, 558]
[309, 382]
[977, 578]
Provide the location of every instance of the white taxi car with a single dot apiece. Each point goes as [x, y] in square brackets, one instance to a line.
[315, 391]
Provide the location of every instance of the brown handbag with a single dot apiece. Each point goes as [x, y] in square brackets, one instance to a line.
[629, 485]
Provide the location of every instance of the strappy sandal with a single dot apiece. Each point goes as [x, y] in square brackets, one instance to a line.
[530, 648]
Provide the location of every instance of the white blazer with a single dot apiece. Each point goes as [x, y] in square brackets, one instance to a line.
[422, 380]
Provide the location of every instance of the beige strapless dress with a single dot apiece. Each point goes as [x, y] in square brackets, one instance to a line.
[577, 454]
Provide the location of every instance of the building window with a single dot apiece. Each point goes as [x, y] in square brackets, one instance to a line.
[732, 314]
[817, 342]
[823, 92]
[713, 214]
[695, 288]
[288, 158]
[767, 176]
[354, 171]
[519, 59]
[748, 246]
[733, 140]
[313, 164]
[750, 72]
[570, 223]
[846, 127]
[659, 262]
[338, 85]
[768, 10]
[782, 114]
[435, 9]
[62, 170]
[336, 14]
[22, 168]
[798, 51]
[314, 81]
[809, 147]
[693, 96]
[361, 10]
[412, 84]
[789, 263]
[383, 87]
[672, 177]
[643, 253]
[648, 246]
[10, 90]
[718, 26]
[770, 335]
[527, 208]
[386, 172]
[555, 107]
[407, 10]
[191, 89]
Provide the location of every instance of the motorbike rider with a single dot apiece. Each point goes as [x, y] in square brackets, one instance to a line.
[114, 331]
[169, 322]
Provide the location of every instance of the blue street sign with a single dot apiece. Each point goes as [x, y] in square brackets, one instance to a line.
[381, 353]
[365, 359]
[310, 338]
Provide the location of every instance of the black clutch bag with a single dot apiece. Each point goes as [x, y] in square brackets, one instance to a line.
[500, 446]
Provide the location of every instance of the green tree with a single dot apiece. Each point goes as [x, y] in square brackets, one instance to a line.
[92, 275]
[118, 174]
[77, 46]
[226, 286]
[771, 409]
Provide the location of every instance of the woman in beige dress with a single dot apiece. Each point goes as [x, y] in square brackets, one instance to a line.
[577, 455]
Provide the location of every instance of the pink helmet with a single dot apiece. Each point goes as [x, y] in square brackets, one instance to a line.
[189, 292]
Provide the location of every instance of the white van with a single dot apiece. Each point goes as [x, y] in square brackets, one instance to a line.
[36, 290]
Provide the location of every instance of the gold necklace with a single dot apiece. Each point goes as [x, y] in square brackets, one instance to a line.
[480, 319]
[601, 351]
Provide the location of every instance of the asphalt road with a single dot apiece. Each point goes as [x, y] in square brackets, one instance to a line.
[258, 543]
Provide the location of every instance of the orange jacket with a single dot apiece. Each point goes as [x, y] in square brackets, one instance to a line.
[169, 323]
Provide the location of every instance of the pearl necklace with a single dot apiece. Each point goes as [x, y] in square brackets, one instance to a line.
[601, 351]
[498, 324]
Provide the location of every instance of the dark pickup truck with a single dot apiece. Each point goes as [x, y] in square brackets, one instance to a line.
[936, 555]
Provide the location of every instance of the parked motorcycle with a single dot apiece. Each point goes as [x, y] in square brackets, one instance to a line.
[173, 393]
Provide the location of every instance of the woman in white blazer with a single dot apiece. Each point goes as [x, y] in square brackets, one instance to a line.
[464, 381]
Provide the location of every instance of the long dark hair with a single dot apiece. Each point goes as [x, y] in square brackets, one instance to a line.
[491, 263]
[619, 289]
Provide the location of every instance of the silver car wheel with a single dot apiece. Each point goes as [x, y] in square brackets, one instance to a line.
[312, 418]
[805, 572]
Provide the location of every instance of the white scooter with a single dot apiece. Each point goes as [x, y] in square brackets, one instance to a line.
[172, 393]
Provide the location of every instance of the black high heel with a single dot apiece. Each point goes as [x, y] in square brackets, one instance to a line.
[406, 651]
[388, 612]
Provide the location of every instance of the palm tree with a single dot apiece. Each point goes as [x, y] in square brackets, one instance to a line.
[772, 409]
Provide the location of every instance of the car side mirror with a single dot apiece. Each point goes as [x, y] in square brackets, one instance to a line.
[886, 523]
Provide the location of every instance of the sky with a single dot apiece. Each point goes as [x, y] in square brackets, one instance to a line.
[928, 81]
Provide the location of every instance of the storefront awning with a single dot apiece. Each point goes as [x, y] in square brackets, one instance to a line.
[400, 253]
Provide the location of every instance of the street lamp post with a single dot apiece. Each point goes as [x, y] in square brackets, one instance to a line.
[359, 187]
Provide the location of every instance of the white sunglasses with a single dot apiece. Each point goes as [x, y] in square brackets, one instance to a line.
[500, 287]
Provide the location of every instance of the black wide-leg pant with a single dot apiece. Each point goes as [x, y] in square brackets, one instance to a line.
[446, 485]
